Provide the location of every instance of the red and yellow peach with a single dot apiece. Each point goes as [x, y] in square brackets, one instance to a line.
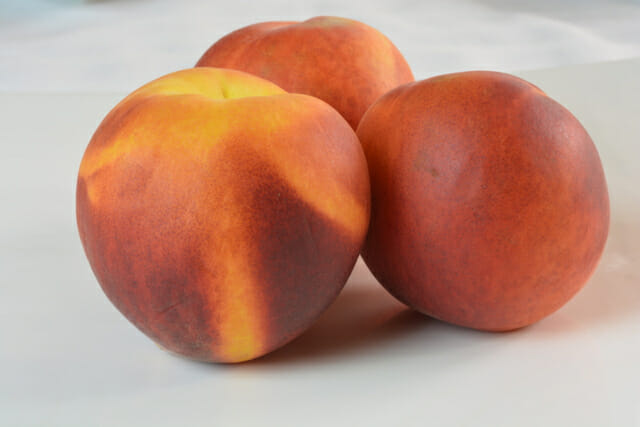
[489, 201]
[343, 62]
[220, 214]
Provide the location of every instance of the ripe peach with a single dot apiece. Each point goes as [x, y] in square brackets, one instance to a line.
[489, 202]
[343, 62]
[220, 214]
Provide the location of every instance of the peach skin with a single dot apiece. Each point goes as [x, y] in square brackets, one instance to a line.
[220, 214]
[489, 202]
[343, 62]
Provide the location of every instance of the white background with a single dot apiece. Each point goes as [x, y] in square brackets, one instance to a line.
[97, 46]
[67, 357]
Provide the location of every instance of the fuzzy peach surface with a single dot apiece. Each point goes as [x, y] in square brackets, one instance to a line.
[344, 62]
[489, 202]
[220, 214]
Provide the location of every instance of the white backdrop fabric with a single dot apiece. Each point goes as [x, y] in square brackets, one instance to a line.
[118, 45]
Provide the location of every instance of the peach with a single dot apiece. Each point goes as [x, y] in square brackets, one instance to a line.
[489, 201]
[220, 214]
[344, 62]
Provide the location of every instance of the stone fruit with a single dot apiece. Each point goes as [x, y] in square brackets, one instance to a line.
[489, 202]
[343, 62]
[220, 214]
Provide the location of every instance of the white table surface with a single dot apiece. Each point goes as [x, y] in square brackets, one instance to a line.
[67, 357]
